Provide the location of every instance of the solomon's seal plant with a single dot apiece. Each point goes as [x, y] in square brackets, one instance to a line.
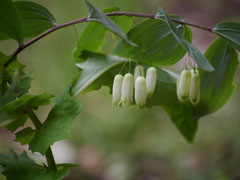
[167, 40]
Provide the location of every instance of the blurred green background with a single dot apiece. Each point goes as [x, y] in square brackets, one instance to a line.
[125, 143]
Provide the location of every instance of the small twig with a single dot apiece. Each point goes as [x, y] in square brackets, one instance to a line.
[85, 19]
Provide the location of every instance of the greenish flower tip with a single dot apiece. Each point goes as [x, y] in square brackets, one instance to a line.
[140, 92]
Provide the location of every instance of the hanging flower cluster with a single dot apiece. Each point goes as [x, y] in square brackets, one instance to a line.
[188, 86]
[142, 88]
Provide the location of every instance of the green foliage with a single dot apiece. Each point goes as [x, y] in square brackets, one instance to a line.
[25, 136]
[24, 168]
[35, 18]
[11, 26]
[57, 125]
[96, 15]
[229, 31]
[193, 52]
[23, 19]
[158, 47]
[15, 111]
[92, 38]
[217, 87]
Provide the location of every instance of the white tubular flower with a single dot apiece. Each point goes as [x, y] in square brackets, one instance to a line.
[127, 90]
[140, 92]
[117, 89]
[177, 88]
[194, 93]
[184, 84]
[151, 78]
[138, 71]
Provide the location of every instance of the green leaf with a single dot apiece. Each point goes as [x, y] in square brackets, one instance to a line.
[93, 68]
[25, 136]
[36, 18]
[193, 52]
[58, 124]
[217, 87]
[96, 15]
[24, 168]
[157, 47]
[14, 112]
[20, 83]
[229, 31]
[11, 26]
[94, 34]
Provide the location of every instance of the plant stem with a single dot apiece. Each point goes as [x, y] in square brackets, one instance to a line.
[85, 19]
[49, 155]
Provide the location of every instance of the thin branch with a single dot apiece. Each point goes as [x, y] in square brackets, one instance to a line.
[85, 19]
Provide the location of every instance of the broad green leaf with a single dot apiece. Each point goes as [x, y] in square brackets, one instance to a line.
[96, 15]
[25, 136]
[94, 34]
[229, 31]
[217, 87]
[11, 26]
[24, 168]
[36, 18]
[157, 47]
[14, 112]
[193, 52]
[57, 125]
[93, 68]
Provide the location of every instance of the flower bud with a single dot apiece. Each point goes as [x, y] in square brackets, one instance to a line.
[184, 84]
[151, 78]
[127, 90]
[138, 71]
[140, 92]
[195, 87]
[117, 89]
